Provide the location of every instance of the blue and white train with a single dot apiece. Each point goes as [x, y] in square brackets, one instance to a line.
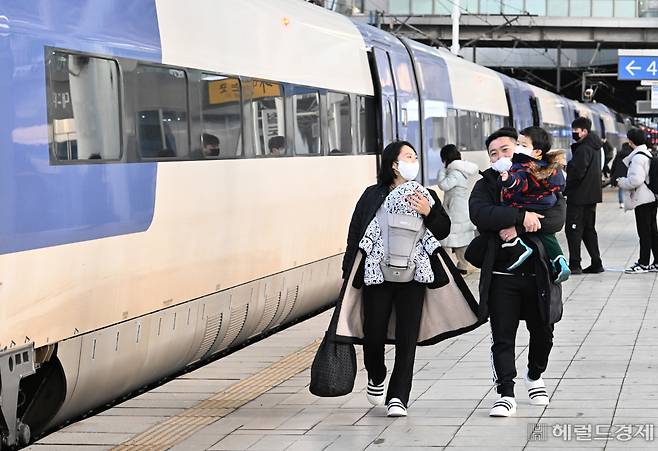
[176, 178]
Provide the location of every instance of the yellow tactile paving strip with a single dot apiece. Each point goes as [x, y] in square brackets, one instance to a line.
[174, 430]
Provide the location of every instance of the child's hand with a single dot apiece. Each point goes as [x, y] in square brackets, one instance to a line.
[504, 176]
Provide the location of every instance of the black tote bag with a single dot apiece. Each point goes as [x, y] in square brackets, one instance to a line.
[334, 367]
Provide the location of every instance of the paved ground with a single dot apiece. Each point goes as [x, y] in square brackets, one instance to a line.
[602, 376]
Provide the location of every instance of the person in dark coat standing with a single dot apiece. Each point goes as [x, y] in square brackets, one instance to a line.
[527, 292]
[583, 191]
[404, 313]
[619, 169]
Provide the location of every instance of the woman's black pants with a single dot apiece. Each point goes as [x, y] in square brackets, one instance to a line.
[378, 302]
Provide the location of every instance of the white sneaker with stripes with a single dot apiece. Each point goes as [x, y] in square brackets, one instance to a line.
[375, 393]
[395, 408]
[536, 391]
[504, 407]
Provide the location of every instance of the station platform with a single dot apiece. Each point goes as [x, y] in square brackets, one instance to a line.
[602, 378]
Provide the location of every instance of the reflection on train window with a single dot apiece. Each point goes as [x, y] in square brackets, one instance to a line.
[83, 107]
[389, 135]
[162, 112]
[221, 124]
[367, 125]
[464, 134]
[267, 106]
[339, 123]
[306, 112]
[477, 140]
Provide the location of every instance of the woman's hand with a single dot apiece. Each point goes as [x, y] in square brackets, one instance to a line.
[508, 234]
[419, 203]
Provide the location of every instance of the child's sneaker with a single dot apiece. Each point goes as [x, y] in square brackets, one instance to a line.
[561, 269]
[518, 252]
[504, 407]
[536, 390]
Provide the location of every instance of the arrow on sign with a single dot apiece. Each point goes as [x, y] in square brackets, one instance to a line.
[630, 68]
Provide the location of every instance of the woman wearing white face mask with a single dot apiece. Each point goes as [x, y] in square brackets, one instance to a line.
[394, 266]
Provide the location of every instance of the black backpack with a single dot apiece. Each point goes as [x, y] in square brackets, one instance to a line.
[653, 173]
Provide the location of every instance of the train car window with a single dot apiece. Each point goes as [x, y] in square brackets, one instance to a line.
[487, 126]
[161, 99]
[339, 122]
[477, 138]
[464, 131]
[367, 124]
[221, 123]
[306, 113]
[83, 107]
[389, 135]
[268, 116]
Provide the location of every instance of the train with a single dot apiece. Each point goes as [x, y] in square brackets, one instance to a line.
[177, 178]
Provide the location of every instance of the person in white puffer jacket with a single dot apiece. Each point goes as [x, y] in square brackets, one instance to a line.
[454, 181]
[638, 197]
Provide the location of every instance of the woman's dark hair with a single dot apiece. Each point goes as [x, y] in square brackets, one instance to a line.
[637, 136]
[390, 156]
[449, 153]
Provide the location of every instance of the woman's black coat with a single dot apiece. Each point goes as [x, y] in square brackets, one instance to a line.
[490, 217]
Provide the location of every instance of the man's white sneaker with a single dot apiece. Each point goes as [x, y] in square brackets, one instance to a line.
[637, 268]
[536, 391]
[395, 408]
[504, 407]
[375, 393]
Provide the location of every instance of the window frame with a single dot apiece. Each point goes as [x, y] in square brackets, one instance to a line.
[293, 96]
[325, 108]
[52, 154]
[357, 118]
[240, 146]
[188, 155]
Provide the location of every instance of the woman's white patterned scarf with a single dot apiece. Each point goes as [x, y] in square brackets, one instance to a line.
[373, 245]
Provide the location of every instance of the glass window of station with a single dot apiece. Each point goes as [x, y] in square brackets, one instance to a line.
[556, 8]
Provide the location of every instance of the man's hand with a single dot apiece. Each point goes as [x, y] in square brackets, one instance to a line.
[531, 221]
[508, 234]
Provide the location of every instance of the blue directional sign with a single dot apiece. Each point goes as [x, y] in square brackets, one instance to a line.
[637, 68]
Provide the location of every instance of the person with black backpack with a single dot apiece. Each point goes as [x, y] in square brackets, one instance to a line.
[639, 195]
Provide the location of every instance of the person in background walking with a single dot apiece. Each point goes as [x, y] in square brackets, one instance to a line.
[453, 179]
[583, 191]
[638, 197]
[619, 170]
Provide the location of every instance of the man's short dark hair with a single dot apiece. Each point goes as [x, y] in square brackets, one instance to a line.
[582, 123]
[276, 142]
[540, 138]
[508, 132]
[636, 136]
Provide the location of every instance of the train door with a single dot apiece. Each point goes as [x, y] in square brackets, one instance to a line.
[408, 105]
[386, 96]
